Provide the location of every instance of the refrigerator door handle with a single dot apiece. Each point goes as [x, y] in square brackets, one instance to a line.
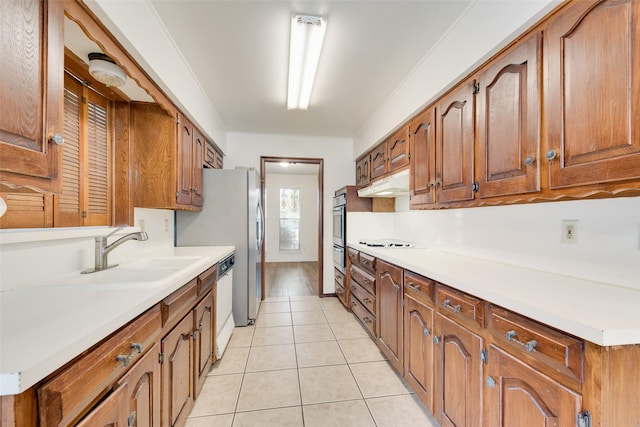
[260, 225]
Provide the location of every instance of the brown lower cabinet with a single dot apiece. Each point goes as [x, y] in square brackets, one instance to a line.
[418, 349]
[389, 294]
[143, 387]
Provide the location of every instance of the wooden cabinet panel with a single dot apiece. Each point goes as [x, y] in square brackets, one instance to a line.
[398, 149]
[458, 371]
[509, 121]
[363, 170]
[363, 278]
[418, 349]
[203, 341]
[419, 287]
[389, 312]
[143, 386]
[593, 93]
[32, 52]
[111, 412]
[365, 317]
[178, 303]
[342, 287]
[184, 161]
[462, 306]
[365, 298]
[379, 163]
[422, 165]
[196, 168]
[455, 144]
[177, 373]
[517, 395]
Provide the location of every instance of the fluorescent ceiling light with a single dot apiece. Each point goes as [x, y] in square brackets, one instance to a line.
[307, 35]
[284, 164]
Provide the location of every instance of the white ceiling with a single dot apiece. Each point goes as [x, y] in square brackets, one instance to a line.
[238, 50]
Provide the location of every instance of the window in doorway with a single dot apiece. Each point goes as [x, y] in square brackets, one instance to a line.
[289, 219]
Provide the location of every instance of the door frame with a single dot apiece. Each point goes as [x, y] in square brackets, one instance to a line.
[309, 161]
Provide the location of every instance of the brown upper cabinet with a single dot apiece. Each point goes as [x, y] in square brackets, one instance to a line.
[363, 170]
[454, 144]
[32, 52]
[379, 161]
[509, 121]
[592, 101]
[422, 166]
[166, 156]
[212, 157]
[391, 155]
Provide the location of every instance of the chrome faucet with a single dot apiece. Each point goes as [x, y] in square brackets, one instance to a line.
[103, 249]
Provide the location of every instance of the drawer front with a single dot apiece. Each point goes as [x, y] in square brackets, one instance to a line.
[339, 277]
[553, 350]
[364, 279]
[341, 293]
[353, 256]
[460, 305]
[207, 280]
[176, 305]
[389, 270]
[419, 287]
[367, 262]
[364, 297]
[366, 318]
[69, 395]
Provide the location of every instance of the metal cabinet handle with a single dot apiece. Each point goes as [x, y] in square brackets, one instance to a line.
[529, 161]
[447, 304]
[366, 320]
[125, 359]
[436, 340]
[366, 300]
[490, 382]
[413, 286]
[530, 346]
[57, 139]
[551, 154]
[425, 332]
[397, 287]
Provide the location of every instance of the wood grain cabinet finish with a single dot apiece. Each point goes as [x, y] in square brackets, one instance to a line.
[32, 52]
[398, 150]
[142, 405]
[379, 163]
[592, 99]
[418, 349]
[509, 121]
[517, 395]
[458, 371]
[203, 340]
[177, 373]
[455, 144]
[342, 287]
[363, 170]
[389, 312]
[111, 412]
[422, 165]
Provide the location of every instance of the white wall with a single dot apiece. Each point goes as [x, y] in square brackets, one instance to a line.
[138, 28]
[484, 28]
[607, 248]
[30, 256]
[308, 185]
[245, 149]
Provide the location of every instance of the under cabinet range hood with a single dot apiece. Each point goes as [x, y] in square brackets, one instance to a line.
[391, 186]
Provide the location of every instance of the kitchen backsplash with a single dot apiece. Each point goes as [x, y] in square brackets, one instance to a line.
[33, 256]
[606, 247]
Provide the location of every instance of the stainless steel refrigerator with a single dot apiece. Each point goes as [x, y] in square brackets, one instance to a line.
[231, 215]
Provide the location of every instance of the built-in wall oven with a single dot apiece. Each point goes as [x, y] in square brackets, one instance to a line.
[339, 231]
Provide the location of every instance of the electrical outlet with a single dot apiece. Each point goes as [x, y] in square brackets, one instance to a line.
[569, 231]
[141, 224]
[166, 225]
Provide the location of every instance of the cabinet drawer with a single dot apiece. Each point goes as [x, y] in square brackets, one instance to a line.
[71, 394]
[339, 277]
[353, 256]
[419, 287]
[209, 155]
[364, 279]
[366, 318]
[364, 297]
[367, 262]
[341, 293]
[206, 280]
[460, 305]
[550, 350]
[176, 305]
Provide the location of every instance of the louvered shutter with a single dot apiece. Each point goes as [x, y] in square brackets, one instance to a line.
[98, 173]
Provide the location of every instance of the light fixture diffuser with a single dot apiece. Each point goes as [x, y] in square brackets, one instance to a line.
[307, 36]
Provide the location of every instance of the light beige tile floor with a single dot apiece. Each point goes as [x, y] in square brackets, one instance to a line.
[306, 363]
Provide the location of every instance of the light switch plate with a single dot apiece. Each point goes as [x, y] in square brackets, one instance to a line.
[569, 234]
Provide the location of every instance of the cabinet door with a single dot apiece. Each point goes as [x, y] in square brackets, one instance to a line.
[184, 161]
[398, 149]
[379, 161]
[177, 373]
[111, 412]
[366, 170]
[203, 341]
[196, 168]
[593, 93]
[518, 395]
[422, 165]
[143, 382]
[32, 52]
[389, 312]
[458, 373]
[454, 145]
[509, 122]
[418, 349]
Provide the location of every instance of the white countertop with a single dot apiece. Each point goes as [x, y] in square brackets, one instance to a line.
[602, 313]
[43, 327]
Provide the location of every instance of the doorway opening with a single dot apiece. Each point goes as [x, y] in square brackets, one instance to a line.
[292, 251]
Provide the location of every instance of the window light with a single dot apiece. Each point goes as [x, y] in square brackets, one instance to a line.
[307, 35]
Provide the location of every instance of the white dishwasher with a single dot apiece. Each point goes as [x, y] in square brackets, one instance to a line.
[224, 302]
